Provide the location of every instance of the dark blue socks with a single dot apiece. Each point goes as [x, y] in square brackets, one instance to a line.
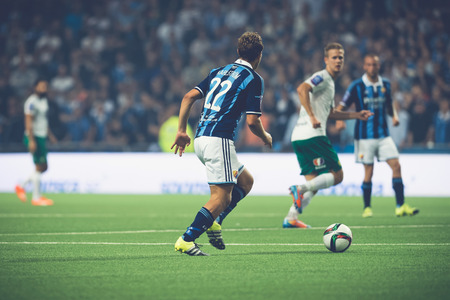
[367, 193]
[202, 222]
[397, 185]
[236, 196]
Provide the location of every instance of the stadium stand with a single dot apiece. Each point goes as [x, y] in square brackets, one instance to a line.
[118, 68]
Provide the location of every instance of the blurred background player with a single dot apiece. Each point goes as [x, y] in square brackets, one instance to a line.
[229, 92]
[318, 160]
[36, 132]
[372, 92]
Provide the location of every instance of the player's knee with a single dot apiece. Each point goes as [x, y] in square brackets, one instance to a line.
[42, 167]
[396, 168]
[338, 177]
[245, 182]
[247, 187]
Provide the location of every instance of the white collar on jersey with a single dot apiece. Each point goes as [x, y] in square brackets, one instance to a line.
[243, 62]
[367, 82]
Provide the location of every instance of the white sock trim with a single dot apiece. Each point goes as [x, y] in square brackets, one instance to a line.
[36, 179]
[320, 182]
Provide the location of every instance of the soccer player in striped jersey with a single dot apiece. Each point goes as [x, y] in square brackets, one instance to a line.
[372, 92]
[318, 160]
[36, 132]
[229, 92]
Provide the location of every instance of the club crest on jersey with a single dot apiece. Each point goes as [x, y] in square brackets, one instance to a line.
[319, 163]
[235, 173]
[316, 80]
[383, 90]
[361, 156]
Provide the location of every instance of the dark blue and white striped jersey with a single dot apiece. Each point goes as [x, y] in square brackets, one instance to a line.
[229, 92]
[375, 97]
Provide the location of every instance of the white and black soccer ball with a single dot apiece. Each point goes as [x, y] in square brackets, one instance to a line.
[337, 237]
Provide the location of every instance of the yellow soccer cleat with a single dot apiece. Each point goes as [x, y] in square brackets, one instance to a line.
[190, 248]
[406, 210]
[367, 213]
[215, 236]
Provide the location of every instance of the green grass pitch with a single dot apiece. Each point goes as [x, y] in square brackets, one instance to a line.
[122, 247]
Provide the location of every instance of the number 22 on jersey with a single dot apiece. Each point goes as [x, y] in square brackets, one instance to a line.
[214, 104]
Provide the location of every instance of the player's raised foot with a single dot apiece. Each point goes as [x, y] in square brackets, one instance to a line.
[42, 202]
[367, 212]
[190, 248]
[21, 194]
[297, 197]
[215, 236]
[294, 224]
[406, 210]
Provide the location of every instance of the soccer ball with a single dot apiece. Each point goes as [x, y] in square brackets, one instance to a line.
[337, 237]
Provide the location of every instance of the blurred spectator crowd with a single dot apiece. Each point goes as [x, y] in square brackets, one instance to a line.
[118, 69]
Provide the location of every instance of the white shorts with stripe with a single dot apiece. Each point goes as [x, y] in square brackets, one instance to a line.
[220, 159]
[367, 149]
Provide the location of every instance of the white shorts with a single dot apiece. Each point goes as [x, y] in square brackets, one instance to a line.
[366, 149]
[220, 159]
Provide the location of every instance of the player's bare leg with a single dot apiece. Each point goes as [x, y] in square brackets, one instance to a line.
[220, 199]
[205, 218]
[240, 190]
[37, 198]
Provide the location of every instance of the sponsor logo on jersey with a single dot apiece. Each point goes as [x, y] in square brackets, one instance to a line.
[319, 163]
[316, 80]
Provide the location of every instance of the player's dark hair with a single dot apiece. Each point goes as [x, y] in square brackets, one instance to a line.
[39, 80]
[332, 46]
[250, 46]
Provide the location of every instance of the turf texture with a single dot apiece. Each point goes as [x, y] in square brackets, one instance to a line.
[122, 247]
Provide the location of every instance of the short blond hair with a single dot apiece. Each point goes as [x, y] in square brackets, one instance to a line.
[331, 46]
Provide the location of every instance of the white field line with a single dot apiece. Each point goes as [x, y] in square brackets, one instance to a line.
[58, 215]
[235, 244]
[231, 229]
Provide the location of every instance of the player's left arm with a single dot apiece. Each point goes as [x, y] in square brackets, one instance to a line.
[395, 120]
[257, 128]
[340, 124]
[51, 136]
[363, 115]
[346, 102]
[255, 91]
[349, 98]
[182, 139]
[390, 105]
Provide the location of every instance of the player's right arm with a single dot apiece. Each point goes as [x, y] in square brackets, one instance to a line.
[182, 139]
[29, 133]
[303, 91]
[257, 128]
